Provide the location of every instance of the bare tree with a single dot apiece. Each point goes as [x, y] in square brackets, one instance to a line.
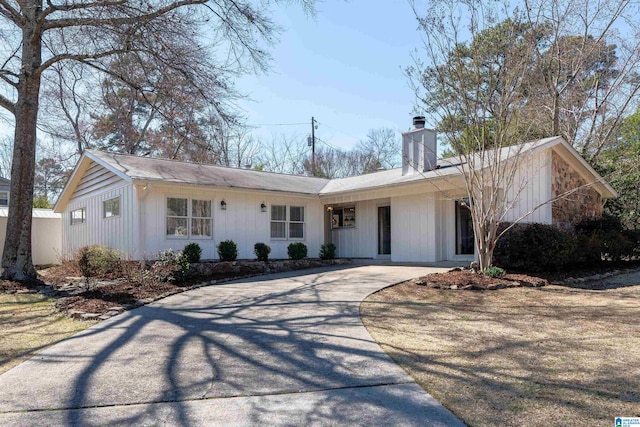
[6, 156]
[381, 148]
[587, 64]
[232, 144]
[496, 76]
[284, 154]
[37, 35]
[67, 98]
[472, 86]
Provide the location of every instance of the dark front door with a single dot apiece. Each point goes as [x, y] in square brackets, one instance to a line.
[464, 228]
[384, 230]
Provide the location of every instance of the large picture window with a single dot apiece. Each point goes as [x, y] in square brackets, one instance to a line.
[111, 208]
[78, 216]
[287, 227]
[344, 217]
[189, 218]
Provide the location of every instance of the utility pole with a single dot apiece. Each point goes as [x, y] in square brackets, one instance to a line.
[313, 146]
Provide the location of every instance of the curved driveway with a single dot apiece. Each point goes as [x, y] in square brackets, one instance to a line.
[286, 349]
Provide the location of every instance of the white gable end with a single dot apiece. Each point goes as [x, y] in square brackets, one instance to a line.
[96, 179]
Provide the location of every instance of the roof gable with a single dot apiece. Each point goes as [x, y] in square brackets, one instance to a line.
[90, 174]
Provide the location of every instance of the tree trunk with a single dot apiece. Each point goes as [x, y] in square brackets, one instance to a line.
[17, 262]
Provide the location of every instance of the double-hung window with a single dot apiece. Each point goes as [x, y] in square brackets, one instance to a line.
[4, 198]
[296, 222]
[285, 226]
[278, 222]
[188, 218]
[200, 218]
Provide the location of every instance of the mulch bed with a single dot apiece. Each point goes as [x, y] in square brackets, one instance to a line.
[105, 297]
[107, 294]
[469, 280]
[7, 286]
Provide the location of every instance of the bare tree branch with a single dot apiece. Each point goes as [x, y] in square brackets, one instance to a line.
[7, 104]
[117, 21]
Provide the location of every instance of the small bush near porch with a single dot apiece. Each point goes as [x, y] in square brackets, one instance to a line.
[546, 356]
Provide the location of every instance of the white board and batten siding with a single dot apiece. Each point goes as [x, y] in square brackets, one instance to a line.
[242, 221]
[529, 196]
[96, 186]
[359, 241]
[417, 228]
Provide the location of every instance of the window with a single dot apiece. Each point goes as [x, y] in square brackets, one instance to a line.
[201, 218]
[278, 222]
[78, 216]
[280, 226]
[343, 217]
[111, 208]
[296, 222]
[177, 218]
[187, 217]
[4, 198]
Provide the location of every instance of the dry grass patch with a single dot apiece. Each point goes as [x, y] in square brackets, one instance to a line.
[29, 323]
[520, 356]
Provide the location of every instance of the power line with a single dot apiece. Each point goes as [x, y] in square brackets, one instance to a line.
[278, 124]
[328, 145]
[338, 130]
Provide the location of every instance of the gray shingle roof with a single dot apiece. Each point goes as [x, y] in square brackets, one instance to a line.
[446, 167]
[385, 178]
[150, 169]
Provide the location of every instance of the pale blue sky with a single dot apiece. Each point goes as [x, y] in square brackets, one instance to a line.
[345, 68]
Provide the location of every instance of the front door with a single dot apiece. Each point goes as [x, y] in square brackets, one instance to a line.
[384, 230]
[464, 228]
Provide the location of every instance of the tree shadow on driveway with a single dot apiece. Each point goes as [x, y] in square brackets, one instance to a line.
[250, 352]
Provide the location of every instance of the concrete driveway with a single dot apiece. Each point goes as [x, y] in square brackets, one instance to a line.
[286, 349]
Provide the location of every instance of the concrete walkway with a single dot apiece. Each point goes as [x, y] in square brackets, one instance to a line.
[286, 349]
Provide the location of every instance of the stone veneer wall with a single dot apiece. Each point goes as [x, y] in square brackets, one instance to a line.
[570, 208]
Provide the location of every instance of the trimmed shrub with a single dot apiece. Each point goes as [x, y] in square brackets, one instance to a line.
[328, 251]
[227, 250]
[536, 248]
[297, 250]
[96, 261]
[171, 266]
[495, 272]
[605, 239]
[192, 252]
[262, 251]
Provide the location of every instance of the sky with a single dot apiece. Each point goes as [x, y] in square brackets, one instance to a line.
[345, 68]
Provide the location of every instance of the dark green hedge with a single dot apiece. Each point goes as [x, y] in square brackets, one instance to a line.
[541, 247]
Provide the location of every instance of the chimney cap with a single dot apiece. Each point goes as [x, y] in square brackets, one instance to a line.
[418, 122]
